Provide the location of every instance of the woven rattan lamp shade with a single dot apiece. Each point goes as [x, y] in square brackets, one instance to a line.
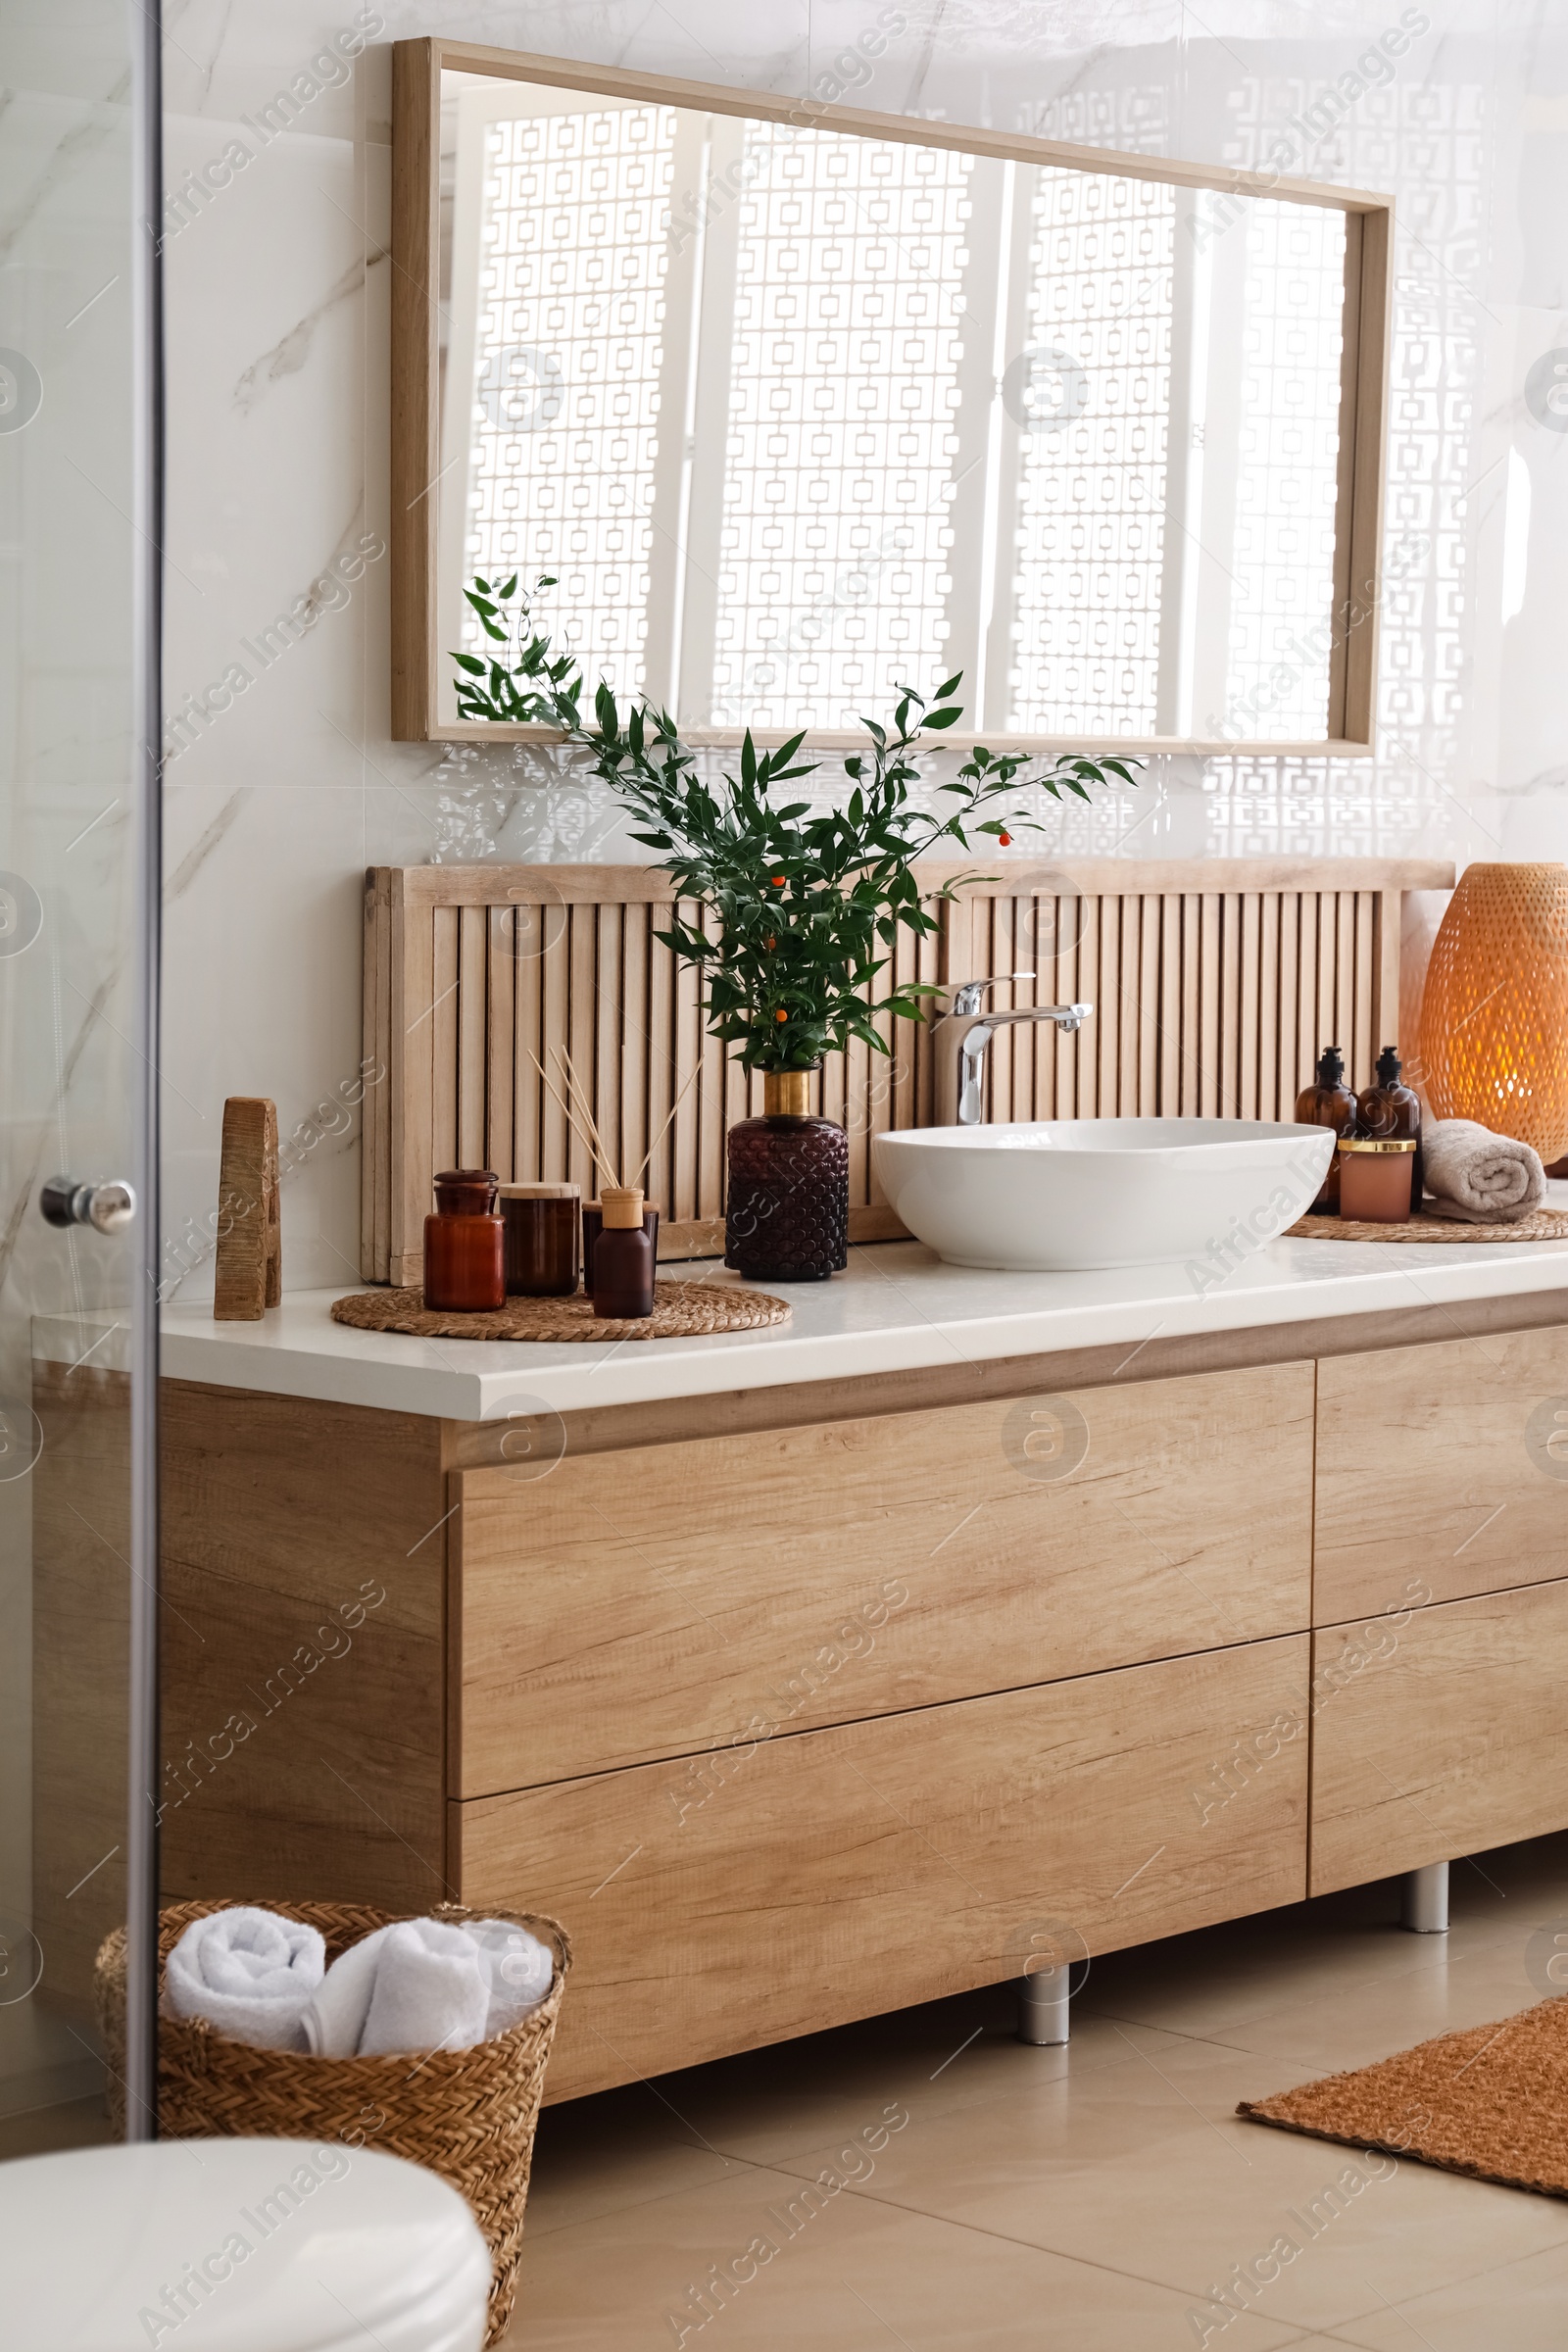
[1495, 1015]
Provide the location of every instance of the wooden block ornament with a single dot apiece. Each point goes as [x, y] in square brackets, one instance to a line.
[250, 1248]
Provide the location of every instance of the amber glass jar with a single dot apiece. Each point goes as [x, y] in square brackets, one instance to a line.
[623, 1257]
[464, 1245]
[1328, 1103]
[1375, 1178]
[541, 1222]
[787, 1200]
[593, 1221]
[1390, 1112]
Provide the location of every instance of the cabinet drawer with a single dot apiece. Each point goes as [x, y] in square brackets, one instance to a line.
[659, 1600]
[831, 1875]
[1432, 1462]
[1439, 1737]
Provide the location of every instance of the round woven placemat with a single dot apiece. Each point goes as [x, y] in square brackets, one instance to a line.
[1541, 1225]
[682, 1311]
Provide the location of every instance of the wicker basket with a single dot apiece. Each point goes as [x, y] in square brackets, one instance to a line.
[469, 2114]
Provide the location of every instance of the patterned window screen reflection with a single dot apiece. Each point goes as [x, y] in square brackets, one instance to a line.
[835, 537]
[1090, 528]
[795, 416]
[568, 354]
[1276, 681]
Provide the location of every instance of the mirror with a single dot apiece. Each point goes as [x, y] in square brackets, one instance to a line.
[788, 411]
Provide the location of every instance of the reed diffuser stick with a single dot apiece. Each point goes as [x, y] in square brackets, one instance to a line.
[579, 1094]
[586, 1135]
[579, 1119]
[669, 1121]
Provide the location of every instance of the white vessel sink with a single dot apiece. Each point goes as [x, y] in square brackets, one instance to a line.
[1058, 1192]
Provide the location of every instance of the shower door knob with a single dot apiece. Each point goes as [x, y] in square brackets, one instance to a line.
[106, 1207]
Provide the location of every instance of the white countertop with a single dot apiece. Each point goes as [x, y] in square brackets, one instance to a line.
[897, 1308]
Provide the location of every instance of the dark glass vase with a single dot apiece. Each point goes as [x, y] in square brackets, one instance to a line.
[787, 1200]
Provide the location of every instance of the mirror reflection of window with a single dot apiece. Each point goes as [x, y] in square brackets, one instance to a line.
[792, 416]
[831, 533]
[1077, 624]
[1287, 476]
[561, 246]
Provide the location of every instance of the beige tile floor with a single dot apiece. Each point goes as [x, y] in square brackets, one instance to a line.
[1084, 2200]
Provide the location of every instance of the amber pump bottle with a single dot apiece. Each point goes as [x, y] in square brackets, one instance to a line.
[1328, 1103]
[624, 1258]
[1388, 1112]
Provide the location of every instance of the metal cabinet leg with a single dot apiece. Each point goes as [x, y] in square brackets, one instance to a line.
[1425, 1900]
[1043, 2007]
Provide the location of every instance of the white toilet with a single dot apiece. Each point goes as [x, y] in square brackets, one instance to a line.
[237, 2245]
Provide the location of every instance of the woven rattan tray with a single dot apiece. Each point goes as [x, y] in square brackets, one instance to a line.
[682, 1311]
[1541, 1225]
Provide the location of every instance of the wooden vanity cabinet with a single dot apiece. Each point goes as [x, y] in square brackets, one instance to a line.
[1440, 1735]
[1444, 1464]
[877, 1701]
[1439, 1603]
[789, 1724]
[657, 1600]
[799, 1881]
[796, 1710]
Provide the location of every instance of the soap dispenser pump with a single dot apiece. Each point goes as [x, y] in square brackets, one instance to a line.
[1328, 1103]
[1388, 1111]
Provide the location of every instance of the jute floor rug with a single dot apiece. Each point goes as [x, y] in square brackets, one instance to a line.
[1492, 2102]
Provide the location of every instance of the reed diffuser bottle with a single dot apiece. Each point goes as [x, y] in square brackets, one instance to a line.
[624, 1258]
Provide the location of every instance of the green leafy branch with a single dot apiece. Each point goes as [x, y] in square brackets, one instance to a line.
[490, 689]
[808, 904]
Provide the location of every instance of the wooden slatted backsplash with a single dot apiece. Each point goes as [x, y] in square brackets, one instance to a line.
[1215, 983]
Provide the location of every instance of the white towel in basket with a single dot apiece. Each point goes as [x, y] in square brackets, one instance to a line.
[247, 1971]
[517, 1968]
[428, 1984]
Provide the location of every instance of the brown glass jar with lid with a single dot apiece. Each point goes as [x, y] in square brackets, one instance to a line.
[464, 1245]
[542, 1223]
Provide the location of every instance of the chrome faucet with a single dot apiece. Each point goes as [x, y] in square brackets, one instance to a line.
[960, 1036]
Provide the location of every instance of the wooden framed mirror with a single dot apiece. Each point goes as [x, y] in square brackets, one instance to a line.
[790, 403]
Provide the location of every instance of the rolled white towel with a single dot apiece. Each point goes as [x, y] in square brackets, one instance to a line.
[1478, 1177]
[334, 2017]
[517, 1968]
[430, 1991]
[247, 1971]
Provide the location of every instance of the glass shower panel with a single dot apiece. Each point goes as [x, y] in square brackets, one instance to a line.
[78, 519]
